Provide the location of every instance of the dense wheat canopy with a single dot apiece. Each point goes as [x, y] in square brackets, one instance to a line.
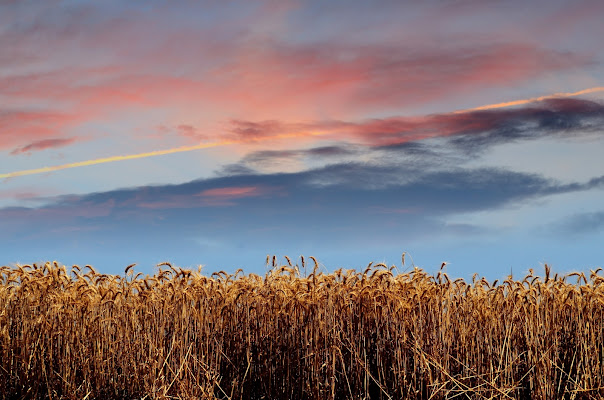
[144, 131]
[297, 333]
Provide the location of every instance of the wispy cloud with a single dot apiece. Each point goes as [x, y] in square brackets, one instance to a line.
[43, 145]
[38, 129]
[578, 224]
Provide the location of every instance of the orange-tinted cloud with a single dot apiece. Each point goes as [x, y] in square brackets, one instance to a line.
[231, 192]
[375, 132]
[390, 131]
[223, 196]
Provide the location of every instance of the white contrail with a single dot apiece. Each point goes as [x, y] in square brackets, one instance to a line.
[532, 100]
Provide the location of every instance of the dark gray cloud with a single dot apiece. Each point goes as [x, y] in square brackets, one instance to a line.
[270, 157]
[260, 157]
[564, 118]
[419, 149]
[476, 131]
[460, 134]
[235, 169]
[594, 183]
[340, 194]
[402, 150]
[326, 151]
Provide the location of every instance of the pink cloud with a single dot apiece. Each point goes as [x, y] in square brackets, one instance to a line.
[300, 79]
[373, 131]
[576, 18]
[251, 130]
[396, 130]
[20, 194]
[276, 82]
[99, 67]
[391, 131]
[43, 145]
[364, 78]
[37, 129]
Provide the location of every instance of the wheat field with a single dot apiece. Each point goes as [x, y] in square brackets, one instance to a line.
[298, 333]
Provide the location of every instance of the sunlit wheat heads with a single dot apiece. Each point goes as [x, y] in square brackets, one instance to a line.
[298, 333]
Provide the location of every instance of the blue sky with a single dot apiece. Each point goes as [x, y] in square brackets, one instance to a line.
[469, 132]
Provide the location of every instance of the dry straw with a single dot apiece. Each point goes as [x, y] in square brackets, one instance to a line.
[75, 333]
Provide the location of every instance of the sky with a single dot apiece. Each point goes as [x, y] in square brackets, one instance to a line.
[216, 133]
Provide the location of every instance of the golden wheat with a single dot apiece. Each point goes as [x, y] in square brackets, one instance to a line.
[75, 333]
